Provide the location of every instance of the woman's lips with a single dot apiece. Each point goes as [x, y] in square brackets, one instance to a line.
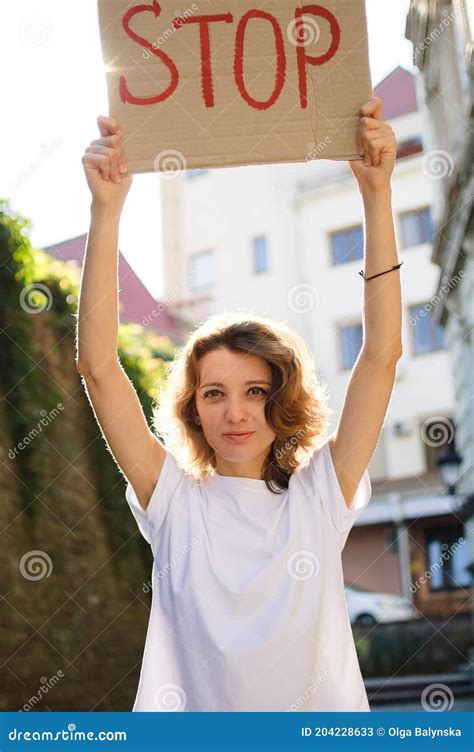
[239, 438]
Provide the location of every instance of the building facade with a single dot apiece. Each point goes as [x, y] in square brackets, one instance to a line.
[286, 241]
[442, 37]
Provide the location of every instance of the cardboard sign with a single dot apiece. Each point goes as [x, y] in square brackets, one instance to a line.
[231, 82]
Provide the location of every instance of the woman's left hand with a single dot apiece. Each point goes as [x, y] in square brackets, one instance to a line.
[377, 145]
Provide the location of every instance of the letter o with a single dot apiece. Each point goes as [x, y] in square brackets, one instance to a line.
[239, 59]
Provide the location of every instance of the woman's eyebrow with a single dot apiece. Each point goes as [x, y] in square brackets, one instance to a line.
[219, 383]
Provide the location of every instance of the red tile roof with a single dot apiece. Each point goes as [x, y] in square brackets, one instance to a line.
[398, 92]
[137, 305]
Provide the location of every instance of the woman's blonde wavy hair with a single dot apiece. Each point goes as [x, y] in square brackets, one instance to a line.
[297, 407]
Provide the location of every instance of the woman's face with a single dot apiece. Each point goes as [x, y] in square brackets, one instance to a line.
[230, 399]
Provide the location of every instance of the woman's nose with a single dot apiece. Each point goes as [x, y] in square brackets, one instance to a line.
[235, 410]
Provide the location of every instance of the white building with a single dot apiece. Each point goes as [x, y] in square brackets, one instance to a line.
[442, 34]
[286, 241]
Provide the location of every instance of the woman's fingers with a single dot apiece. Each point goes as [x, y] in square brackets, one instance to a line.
[108, 125]
[111, 155]
[380, 146]
[370, 125]
[113, 142]
[370, 140]
[372, 108]
[97, 162]
[370, 117]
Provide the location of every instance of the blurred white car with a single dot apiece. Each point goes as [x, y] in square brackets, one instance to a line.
[366, 608]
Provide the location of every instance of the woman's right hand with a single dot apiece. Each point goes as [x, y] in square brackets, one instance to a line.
[105, 165]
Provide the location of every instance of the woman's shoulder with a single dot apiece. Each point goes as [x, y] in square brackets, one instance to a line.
[314, 456]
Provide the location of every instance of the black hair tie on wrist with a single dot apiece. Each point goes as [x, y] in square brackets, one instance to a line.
[385, 272]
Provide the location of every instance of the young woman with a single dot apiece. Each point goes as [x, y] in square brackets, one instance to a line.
[246, 505]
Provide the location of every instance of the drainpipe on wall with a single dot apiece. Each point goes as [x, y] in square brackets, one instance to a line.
[403, 544]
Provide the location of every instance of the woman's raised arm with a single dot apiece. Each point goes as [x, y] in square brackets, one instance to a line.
[135, 448]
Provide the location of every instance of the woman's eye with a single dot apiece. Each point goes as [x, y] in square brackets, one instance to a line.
[260, 389]
[213, 392]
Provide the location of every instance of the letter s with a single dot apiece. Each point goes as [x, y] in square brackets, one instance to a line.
[125, 94]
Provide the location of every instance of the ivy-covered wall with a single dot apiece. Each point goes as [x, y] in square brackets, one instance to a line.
[73, 609]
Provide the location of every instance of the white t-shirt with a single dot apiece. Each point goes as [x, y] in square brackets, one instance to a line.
[248, 608]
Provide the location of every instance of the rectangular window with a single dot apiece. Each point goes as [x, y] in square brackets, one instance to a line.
[427, 335]
[350, 338]
[447, 557]
[260, 255]
[417, 227]
[202, 270]
[347, 245]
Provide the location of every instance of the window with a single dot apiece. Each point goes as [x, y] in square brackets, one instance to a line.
[202, 270]
[260, 256]
[351, 343]
[195, 173]
[427, 336]
[416, 227]
[347, 245]
[447, 557]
